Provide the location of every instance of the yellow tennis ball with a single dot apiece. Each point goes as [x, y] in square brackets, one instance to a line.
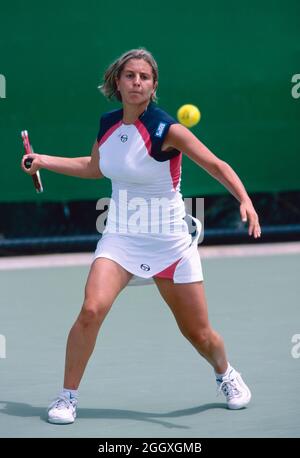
[188, 115]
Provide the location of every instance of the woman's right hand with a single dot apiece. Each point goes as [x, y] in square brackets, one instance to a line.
[35, 165]
[82, 167]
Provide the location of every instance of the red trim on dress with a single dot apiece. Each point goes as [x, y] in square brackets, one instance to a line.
[168, 272]
[109, 133]
[175, 164]
[144, 134]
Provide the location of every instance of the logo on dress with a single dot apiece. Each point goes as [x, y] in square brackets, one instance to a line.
[145, 267]
[124, 138]
[160, 129]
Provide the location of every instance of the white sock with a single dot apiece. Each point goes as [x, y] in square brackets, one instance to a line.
[70, 393]
[220, 376]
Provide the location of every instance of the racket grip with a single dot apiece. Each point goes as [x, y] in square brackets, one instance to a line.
[37, 182]
[35, 177]
[28, 162]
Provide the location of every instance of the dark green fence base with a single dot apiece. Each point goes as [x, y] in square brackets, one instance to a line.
[71, 226]
[74, 244]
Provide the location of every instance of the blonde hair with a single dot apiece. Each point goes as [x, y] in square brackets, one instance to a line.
[113, 72]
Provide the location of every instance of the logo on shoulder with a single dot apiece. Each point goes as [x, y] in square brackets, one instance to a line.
[160, 129]
[145, 267]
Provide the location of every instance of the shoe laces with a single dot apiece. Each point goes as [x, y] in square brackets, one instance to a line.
[62, 402]
[228, 386]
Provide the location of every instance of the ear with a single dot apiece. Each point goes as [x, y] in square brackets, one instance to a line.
[154, 88]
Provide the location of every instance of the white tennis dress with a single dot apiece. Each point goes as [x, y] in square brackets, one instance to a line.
[147, 230]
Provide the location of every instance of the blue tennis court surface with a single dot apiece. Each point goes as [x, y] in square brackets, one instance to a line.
[144, 379]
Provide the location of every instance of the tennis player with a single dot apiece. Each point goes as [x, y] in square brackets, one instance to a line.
[139, 148]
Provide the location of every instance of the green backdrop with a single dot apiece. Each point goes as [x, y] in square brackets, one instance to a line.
[234, 60]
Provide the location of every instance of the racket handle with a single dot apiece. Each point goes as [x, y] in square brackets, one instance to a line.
[36, 177]
[37, 182]
[28, 162]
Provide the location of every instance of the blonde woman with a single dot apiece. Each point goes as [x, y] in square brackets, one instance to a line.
[139, 147]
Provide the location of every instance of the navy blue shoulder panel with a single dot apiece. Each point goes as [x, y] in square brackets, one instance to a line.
[157, 123]
[107, 121]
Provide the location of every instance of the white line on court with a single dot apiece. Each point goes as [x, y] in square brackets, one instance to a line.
[85, 259]
[265, 249]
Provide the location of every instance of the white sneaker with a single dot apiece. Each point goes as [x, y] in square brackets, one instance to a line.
[235, 390]
[63, 410]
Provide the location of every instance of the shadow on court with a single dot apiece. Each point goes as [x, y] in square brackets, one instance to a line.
[19, 409]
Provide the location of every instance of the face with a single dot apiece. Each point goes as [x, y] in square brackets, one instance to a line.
[135, 83]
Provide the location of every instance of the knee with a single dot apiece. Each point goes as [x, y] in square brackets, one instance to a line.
[199, 337]
[93, 312]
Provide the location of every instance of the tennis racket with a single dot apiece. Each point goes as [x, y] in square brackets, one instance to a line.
[27, 163]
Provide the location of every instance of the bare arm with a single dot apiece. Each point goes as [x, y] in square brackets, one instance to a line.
[82, 167]
[182, 139]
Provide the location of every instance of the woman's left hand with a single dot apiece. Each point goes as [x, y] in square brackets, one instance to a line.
[249, 214]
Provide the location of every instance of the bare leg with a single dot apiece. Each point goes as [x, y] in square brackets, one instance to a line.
[105, 281]
[188, 304]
